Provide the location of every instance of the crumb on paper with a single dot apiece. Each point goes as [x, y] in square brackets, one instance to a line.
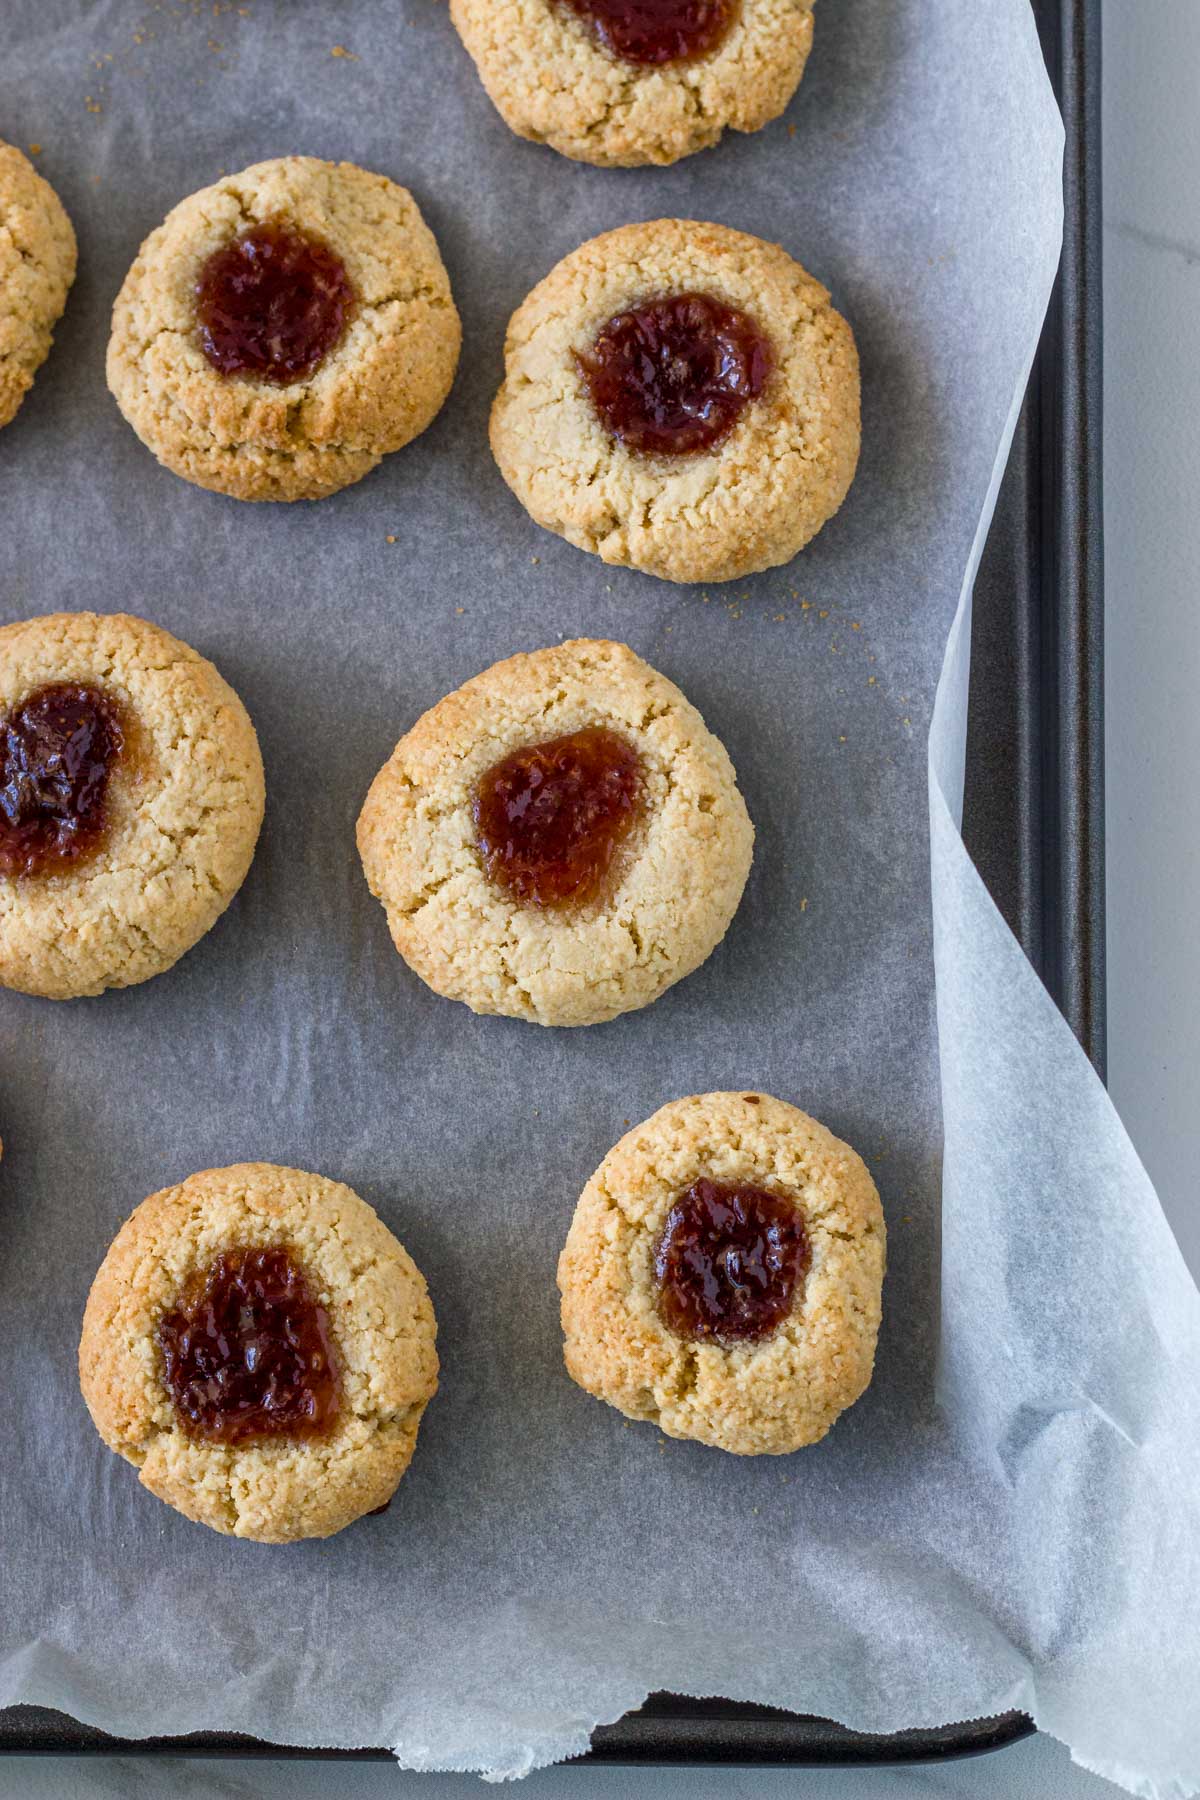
[806, 606]
[93, 106]
[842, 739]
[780, 618]
[390, 538]
[459, 611]
[870, 681]
[854, 625]
[35, 149]
[340, 50]
[823, 615]
[804, 904]
[535, 560]
[791, 131]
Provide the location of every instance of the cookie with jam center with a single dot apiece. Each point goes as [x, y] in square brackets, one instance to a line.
[284, 330]
[37, 267]
[131, 796]
[679, 398]
[630, 82]
[559, 840]
[261, 1348]
[722, 1275]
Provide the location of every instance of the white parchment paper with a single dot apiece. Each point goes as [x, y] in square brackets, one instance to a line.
[1015, 1524]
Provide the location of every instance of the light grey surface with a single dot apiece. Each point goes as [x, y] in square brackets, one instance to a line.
[1160, 991]
[1152, 556]
[1037, 1770]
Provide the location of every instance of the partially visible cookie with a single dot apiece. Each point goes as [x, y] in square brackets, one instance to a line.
[722, 1275]
[37, 267]
[560, 840]
[679, 398]
[624, 82]
[131, 795]
[284, 329]
[261, 1348]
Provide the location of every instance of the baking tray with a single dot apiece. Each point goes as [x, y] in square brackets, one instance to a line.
[1033, 820]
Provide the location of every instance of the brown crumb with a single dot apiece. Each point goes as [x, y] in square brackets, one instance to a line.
[459, 611]
[804, 904]
[35, 149]
[390, 538]
[854, 625]
[341, 50]
[870, 681]
[791, 131]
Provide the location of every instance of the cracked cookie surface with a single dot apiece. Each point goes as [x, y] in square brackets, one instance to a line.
[184, 805]
[677, 882]
[769, 1396]
[37, 267]
[552, 80]
[755, 499]
[379, 386]
[382, 1321]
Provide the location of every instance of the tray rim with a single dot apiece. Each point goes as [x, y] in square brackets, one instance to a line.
[1060, 926]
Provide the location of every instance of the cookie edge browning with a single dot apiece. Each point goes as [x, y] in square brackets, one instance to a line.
[406, 780]
[617, 1349]
[270, 461]
[57, 261]
[639, 117]
[194, 1477]
[686, 547]
[19, 969]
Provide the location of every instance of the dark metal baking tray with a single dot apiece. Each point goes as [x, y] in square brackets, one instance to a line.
[1034, 823]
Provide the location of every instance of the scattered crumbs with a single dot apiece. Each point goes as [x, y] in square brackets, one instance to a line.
[854, 625]
[624, 1121]
[833, 647]
[780, 618]
[608, 587]
[341, 50]
[139, 37]
[906, 1218]
[804, 904]
[791, 131]
[670, 628]
[35, 149]
[93, 106]
[460, 610]
[706, 598]
[390, 539]
[870, 681]
[795, 593]
[535, 559]
[907, 721]
[754, 1510]
[806, 606]
[823, 615]
[842, 739]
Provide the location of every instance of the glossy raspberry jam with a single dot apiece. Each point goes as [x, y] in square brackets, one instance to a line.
[672, 376]
[730, 1262]
[249, 1352]
[651, 32]
[57, 752]
[272, 303]
[550, 817]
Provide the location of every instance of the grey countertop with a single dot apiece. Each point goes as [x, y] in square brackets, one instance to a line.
[1152, 477]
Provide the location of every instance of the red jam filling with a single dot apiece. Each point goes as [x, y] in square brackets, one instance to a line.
[272, 303]
[57, 751]
[249, 1353]
[672, 376]
[730, 1262]
[551, 817]
[651, 32]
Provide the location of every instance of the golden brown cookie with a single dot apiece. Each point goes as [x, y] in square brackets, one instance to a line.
[560, 839]
[625, 85]
[261, 1348]
[284, 329]
[722, 1275]
[37, 267]
[131, 795]
[737, 339]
